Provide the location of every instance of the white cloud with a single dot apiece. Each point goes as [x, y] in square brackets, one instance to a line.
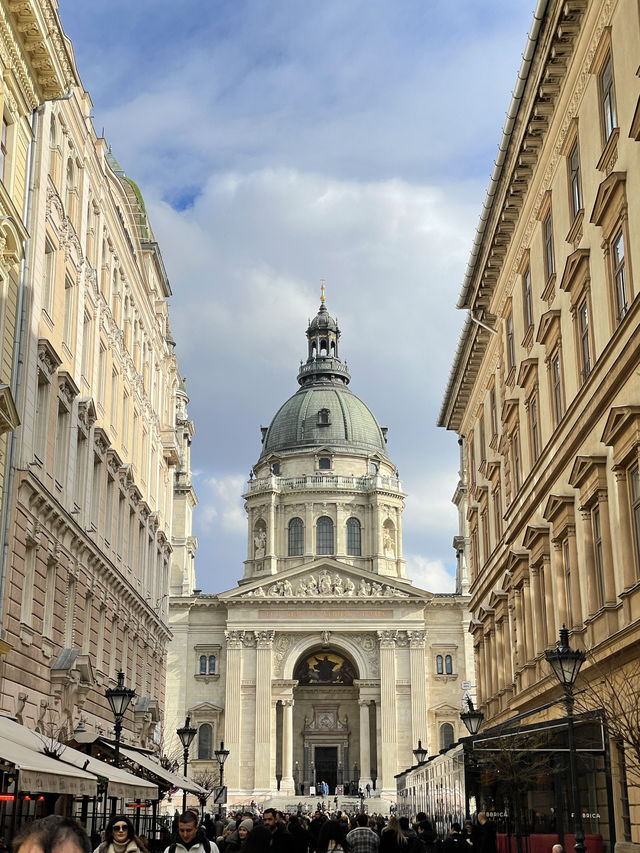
[429, 574]
[224, 504]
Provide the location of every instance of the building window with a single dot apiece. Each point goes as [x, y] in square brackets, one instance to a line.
[324, 535]
[87, 339]
[324, 463]
[439, 665]
[497, 511]
[353, 537]
[583, 331]
[598, 555]
[448, 665]
[574, 179]
[205, 742]
[482, 438]
[527, 299]
[275, 469]
[619, 276]
[549, 258]
[608, 98]
[556, 387]
[446, 735]
[70, 190]
[515, 458]
[494, 413]
[511, 353]
[48, 278]
[535, 429]
[203, 664]
[212, 665]
[69, 309]
[296, 537]
[324, 418]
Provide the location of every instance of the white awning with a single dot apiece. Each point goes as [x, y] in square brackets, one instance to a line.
[41, 774]
[121, 783]
[175, 780]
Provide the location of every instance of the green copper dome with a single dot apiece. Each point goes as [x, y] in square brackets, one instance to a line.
[324, 412]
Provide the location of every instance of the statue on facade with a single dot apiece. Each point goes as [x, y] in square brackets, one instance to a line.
[260, 543]
[388, 544]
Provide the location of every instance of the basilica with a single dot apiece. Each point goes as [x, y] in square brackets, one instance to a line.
[325, 663]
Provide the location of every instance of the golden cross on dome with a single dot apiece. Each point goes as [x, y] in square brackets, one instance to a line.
[322, 290]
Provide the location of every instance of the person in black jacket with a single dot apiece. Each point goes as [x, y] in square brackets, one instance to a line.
[455, 841]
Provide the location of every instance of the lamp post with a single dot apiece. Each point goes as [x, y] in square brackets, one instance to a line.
[119, 698]
[566, 663]
[221, 756]
[472, 718]
[420, 753]
[186, 735]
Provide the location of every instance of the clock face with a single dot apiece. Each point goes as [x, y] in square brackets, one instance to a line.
[326, 721]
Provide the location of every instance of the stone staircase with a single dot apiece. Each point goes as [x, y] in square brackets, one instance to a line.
[350, 804]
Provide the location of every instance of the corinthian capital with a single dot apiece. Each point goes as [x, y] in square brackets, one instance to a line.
[264, 639]
[387, 639]
[417, 639]
[234, 639]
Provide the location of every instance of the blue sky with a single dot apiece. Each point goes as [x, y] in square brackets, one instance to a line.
[277, 143]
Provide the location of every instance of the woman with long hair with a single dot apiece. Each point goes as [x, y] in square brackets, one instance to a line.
[332, 836]
[392, 838]
[120, 837]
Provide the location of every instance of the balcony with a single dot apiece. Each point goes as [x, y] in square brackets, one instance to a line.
[324, 482]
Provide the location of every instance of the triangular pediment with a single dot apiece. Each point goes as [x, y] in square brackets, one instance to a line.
[324, 579]
[204, 709]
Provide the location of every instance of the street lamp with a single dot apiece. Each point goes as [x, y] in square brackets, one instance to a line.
[119, 698]
[472, 718]
[221, 756]
[420, 753]
[186, 735]
[566, 663]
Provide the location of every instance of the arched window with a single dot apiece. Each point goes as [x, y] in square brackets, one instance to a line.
[439, 665]
[448, 665]
[296, 537]
[203, 664]
[70, 190]
[446, 735]
[353, 537]
[205, 741]
[323, 417]
[324, 535]
[212, 664]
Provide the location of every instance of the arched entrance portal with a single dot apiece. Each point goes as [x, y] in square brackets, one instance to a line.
[326, 722]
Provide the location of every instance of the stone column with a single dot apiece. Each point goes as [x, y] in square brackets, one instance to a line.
[593, 605]
[233, 709]
[528, 618]
[271, 529]
[418, 687]
[263, 744]
[500, 652]
[365, 743]
[308, 529]
[560, 584]
[550, 616]
[607, 550]
[388, 746]
[576, 600]
[286, 786]
[626, 536]
[521, 656]
[538, 611]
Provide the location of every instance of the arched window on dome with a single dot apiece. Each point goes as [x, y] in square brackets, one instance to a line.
[324, 347]
[446, 735]
[324, 535]
[353, 537]
[324, 417]
[296, 537]
[205, 742]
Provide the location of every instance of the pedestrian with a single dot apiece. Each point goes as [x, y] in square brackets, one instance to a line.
[281, 839]
[454, 842]
[191, 839]
[368, 789]
[486, 842]
[392, 838]
[120, 837]
[557, 848]
[52, 834]
[333, 836]
[363, 839]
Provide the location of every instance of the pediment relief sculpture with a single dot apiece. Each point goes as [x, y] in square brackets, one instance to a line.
[326, 585]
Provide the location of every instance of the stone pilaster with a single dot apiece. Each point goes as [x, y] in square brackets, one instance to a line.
[286, 786]
[232, 708]
[388, 712]
[365, 743]
[263, 745]
[418, 687]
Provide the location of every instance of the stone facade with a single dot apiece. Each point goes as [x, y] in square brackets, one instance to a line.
[548, 405]
[325, 662]
[86, 576]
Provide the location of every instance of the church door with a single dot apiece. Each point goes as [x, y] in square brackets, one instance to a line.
[326, 760]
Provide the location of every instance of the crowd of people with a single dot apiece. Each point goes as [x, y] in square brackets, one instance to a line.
[271, 832]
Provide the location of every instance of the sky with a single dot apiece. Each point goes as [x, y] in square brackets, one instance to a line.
[280, 143]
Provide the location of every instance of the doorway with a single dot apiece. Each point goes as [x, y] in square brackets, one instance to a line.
[326, 761]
